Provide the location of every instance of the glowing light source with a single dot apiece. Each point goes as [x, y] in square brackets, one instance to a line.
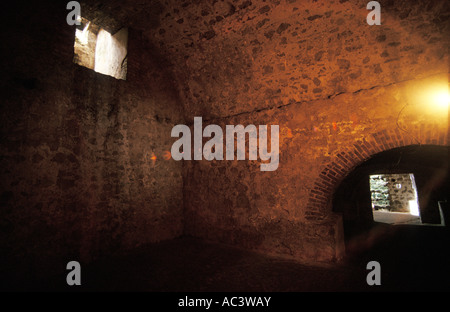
[153, 159]
[436, 97]
[441, 98]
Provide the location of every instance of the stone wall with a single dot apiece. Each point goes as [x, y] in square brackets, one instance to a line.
[379, 192]
[401, 191]
[85, 170]
[392, 192]
[82, 154]
[340, 91]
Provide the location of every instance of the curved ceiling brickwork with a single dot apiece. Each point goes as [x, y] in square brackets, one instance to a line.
[232, 57]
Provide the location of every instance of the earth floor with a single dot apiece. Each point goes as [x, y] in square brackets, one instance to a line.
[412, 258]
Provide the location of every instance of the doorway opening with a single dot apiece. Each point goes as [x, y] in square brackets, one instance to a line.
[366, 197]
[394, 198]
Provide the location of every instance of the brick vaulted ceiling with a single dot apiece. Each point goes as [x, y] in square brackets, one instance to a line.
[239, 56]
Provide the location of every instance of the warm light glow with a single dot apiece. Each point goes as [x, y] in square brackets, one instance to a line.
[435, 97]
[153, 158]
[167, 155]
[441, 98]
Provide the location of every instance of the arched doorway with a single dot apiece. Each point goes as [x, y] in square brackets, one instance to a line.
[411, 252]
[425, 165]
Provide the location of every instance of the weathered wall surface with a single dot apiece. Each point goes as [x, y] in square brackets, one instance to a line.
[337, 87]
[288, 211]
[242, 56]
[83, 167]
[79, 174]
[401, 191]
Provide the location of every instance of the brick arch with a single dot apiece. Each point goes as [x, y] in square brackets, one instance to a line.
[321, 193]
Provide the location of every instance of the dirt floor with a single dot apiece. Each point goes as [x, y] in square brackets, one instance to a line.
[412, 258]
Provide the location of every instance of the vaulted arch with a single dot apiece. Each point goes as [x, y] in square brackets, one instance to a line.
[343, 162]
[427, 163]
